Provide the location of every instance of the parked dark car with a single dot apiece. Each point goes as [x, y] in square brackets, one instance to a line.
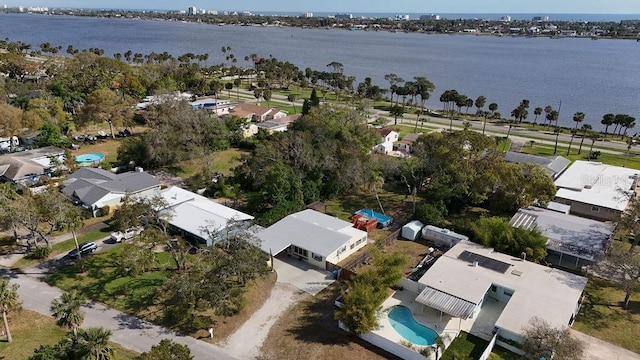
[86, 248]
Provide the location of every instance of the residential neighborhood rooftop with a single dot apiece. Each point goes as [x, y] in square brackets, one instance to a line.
[322, 234]
[538, 291]
[553, 165]
[18, 165]
[581, 237]
[597, 184]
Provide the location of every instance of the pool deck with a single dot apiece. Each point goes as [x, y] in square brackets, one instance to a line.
[445, 325]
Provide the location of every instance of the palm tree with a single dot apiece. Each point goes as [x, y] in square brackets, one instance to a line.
[67, 310]
[547, 111]
[485, 114]
[630, 142]
[593, 137]
[94, 344]
[556, 131]
[480, 102]
[573, 134]
[585, 128]
[607, 120]
[8, 302]
[578, 118]
[537, 112]
[493, 107]
[292, 100]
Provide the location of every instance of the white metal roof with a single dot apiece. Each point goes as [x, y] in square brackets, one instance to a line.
[311, 230]
[540, 291]
[446, 303]
[196, 214]
[597, 184]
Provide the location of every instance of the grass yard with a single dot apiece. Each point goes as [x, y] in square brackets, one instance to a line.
[467, 346]
[393, 200]
[107, 147]
[603, 317]
[65, 246]
[136, 294]
[222, 161]
[31, 329]
[308, 331]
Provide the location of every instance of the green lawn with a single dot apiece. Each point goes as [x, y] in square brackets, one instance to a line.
[603, 317]
[467, 346]
[65, 246]
[220, 161]
[30, 329]
[103, 282]
[503, 144]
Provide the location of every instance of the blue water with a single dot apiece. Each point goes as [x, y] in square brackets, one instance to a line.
[593, 77]
[404, 324]
[89, 158]
[383, 219]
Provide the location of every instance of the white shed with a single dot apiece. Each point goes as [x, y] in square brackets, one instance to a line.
[384, 148]
[411, 231]
[442, 237]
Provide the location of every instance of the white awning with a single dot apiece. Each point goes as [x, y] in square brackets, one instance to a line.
[446, 303]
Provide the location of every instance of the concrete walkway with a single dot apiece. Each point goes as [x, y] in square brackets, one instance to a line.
[596, 349]
[130, 332]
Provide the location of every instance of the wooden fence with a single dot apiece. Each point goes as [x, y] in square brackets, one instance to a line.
[348, 270]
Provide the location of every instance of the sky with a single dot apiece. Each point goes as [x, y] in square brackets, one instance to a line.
[361, 6]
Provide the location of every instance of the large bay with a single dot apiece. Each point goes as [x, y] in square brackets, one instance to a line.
[595, 77]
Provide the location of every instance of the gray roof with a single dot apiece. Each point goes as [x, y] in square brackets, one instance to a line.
[18, 165]
[91, 185]
[568, 234]
[411, 137]
[309, 229]
[446, 303]
[554, 165]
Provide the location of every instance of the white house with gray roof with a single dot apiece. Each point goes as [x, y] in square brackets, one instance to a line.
[200, 218]
[312, 236]
[468, 276]
[97, 188]
[595, 190]
[572, 241]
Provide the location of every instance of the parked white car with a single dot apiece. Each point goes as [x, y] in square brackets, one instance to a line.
[120, 236]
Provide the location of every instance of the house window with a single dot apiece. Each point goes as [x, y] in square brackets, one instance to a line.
[316, 257]
[494, 288]
[595, 209]
[359, 241]
[352, 246]
[508, 292]
[299, 251]
[342, 249]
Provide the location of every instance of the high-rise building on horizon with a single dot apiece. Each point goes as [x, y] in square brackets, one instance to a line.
[192, 10]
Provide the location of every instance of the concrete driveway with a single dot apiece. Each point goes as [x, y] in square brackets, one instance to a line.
[596, 349]
[301, 274]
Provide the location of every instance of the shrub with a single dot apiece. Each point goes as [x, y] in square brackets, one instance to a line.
[40, 252]
[105, 210]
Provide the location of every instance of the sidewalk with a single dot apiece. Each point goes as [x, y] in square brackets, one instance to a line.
[596, 349]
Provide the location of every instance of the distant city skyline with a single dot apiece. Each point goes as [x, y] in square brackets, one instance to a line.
[361, 6]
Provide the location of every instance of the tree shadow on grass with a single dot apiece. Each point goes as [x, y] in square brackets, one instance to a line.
[316, 323]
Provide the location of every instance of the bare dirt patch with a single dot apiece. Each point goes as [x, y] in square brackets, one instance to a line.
[309, 331]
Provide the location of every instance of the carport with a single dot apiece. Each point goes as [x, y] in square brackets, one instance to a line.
[301, 274]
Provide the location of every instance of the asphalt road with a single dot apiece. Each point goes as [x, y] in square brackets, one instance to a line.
[128, 331]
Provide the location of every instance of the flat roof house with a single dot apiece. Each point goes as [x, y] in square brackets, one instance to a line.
[595, 190]
[197, 217]
[25, 168]
[313, 236]
[96, 188]
[572, 241]
[469, 275]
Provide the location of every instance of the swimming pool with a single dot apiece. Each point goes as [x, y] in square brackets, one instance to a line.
[404, 324]
[89, 158]
[383, 219]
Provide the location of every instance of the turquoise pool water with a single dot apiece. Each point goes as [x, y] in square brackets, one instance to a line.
[404, 324]
[89, 158]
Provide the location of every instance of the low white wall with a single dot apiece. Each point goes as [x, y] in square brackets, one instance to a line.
[487, 351]
[390, 346]
[413, 286]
